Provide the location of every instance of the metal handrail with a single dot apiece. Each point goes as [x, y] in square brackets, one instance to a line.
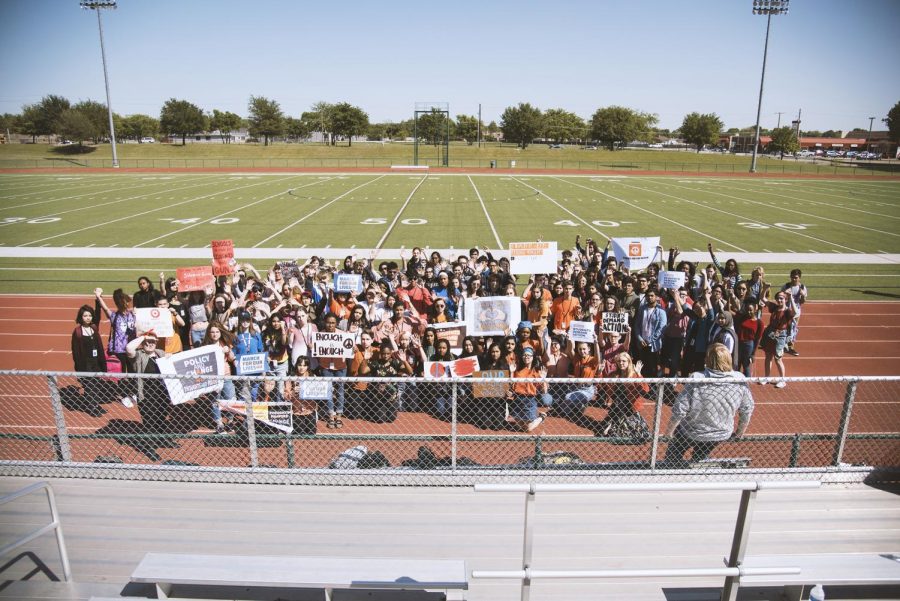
[648, 573]
[53, 525]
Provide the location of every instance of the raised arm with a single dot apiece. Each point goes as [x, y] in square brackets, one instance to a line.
[99, 302]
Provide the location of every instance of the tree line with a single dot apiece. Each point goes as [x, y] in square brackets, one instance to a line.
[522, 124]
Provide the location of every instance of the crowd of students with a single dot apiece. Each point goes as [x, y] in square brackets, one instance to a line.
[668, 334]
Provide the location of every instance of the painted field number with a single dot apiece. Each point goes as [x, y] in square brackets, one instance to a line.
[762, 226]
[36, 220]
[190, 220]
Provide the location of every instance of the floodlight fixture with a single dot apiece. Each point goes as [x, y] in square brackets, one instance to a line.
[767, 8]
[98, 5]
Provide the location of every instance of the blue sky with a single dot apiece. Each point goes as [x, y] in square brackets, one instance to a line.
[837, 60]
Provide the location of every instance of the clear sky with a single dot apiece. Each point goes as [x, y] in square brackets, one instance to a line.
[835, 59]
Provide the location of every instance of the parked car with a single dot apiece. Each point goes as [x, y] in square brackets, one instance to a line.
[805, 154]
[148, 140]
[832, 154]
[850, 154]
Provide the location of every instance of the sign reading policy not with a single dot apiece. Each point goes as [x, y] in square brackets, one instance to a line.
[532, 257]
[336, 345]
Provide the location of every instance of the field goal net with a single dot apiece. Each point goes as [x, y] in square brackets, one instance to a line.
[431, 134]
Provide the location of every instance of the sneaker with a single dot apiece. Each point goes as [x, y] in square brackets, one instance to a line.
[763, 381]
[790, 350]
[127, 401]
[534, 424]
[780, 384]
[220, 429]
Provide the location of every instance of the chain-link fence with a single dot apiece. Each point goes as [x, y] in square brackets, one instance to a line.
[427, 431]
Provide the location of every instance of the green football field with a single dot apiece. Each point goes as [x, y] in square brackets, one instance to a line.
[837, 228]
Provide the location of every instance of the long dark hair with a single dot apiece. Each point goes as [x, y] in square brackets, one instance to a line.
[81, 311]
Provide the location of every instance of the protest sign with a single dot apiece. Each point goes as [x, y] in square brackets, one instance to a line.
[348, 282]
[289, 269]
[465, 367]
[254, 363]
[156, 319]
[492, 315]
[672, 280]
[582, 331]
[489, 390]
[202, 361]
[438, 370]
[223, 262]
[338, 345]
[277, 415]
[614, 322]
[195, 278]
[313, 389]
[635, 253]
[453, 332]
[532, 257]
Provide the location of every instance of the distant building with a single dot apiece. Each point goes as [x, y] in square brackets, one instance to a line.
[239, 136]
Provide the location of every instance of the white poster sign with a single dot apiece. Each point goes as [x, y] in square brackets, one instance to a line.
[156, 319]
[492, 315]
[348, 282]
[202, 361]
[254, 363]
[635, 253]
[582, 331]
[671, 280]
[313, 389]
[614, 322]
[277, 415]
[532, 257]
[337, 345]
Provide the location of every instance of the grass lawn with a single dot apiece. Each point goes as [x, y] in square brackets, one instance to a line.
[147, 215]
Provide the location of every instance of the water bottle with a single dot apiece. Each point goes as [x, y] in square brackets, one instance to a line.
[817, 593]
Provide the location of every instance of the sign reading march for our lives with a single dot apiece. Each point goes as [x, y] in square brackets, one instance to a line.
[348, 282]
[335, 345]
[582, 331]
[614, 322]
[532, 257]
[156, 319]
[254, 363]
[202, 361]
[635, 253]
[671, 280]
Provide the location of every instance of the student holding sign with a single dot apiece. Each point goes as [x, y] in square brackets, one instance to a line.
[218, 335]
[586, 363]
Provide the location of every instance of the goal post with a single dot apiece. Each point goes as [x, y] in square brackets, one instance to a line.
[431, 133]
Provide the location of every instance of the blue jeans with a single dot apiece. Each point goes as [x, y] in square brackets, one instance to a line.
[524, 407]
[280, 370]
[575, 402]
[745, 357]
[337, 391]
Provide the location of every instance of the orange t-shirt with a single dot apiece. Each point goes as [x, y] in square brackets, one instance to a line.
[526, 388]
[586, 367]
[565, 311]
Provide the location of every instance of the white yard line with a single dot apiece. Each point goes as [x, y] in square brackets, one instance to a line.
[590, 225]
[31, 204]
[67, 187]
[768, 206]
[220, 215]
[484, 208]
[308, 215]
[841, 207]
[390, 228]
[132, 216]
[657, 215]
[749, 219]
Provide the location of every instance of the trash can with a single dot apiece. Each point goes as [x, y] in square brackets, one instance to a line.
[512, 163]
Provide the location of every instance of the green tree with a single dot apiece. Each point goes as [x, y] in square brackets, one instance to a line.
[50, 110]
[432, 127]
[225, 122]
[521, 124]
[893, 123]
[76, 125]
[296, 129]
[137, 126]
[318, 118]
[266, 118]
[701, 130]
[396, 131]
[831, 133]
[563, 126]
[467, 128]
[784, 140]
[29, 121]
[98, 115]
[376, 131]
[348, 120]
[620, 124]
[181, 118]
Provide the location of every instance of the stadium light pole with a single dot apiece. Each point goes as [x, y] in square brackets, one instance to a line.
[98, 5]
[768, 8]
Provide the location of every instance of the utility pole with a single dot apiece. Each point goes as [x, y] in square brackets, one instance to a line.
[779, 119]
[869, 136]
[479, 125]
[98, 5]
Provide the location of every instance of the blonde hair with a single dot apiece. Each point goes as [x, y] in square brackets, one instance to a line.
[630, 372]
[718, 357]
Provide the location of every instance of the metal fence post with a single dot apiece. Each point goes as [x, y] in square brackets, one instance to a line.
[844, 426]
[251, 434]
[64, 450]
[739, 543]
[453, 428]
[527, 542]
[657, 418]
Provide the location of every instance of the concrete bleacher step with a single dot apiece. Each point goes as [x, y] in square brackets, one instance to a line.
[33, 590]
